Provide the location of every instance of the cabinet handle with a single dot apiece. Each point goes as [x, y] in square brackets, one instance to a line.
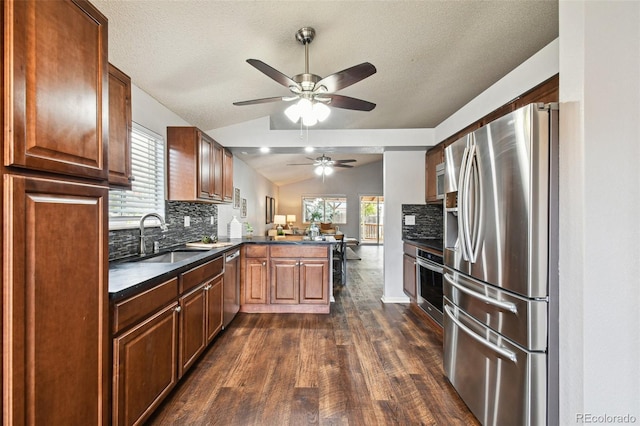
[300, 264]
[208, 287]
[264, 263]
[178, 309]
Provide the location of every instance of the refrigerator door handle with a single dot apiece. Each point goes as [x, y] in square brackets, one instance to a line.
[466, 178]
[461, 205]
[474, 238]
[511, 307]
[502, 351]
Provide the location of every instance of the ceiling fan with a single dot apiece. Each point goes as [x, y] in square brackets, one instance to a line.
[313, 92]
[324, 165]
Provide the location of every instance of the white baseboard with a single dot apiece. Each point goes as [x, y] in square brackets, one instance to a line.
[386, 299]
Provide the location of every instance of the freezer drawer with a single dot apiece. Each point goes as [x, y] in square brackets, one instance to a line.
[501, 383]
[522, 320]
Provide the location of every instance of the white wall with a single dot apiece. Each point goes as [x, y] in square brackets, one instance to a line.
[403, 184]
[255, 188]
[599, 205]
[149, 113]
[362, 180]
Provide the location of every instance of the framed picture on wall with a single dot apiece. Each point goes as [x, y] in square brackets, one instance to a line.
[243, 208]
[273, 209]
[236, 198]
[267, 210]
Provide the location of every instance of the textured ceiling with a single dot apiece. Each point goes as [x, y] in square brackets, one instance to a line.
[432, 57]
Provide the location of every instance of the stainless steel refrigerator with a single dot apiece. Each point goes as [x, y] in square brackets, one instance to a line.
[501, 268]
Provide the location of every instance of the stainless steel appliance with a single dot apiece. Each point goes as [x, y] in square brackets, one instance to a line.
[429, 283]
[231, 286]
[501, 271]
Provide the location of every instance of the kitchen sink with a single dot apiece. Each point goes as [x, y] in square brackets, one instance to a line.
[171, 257]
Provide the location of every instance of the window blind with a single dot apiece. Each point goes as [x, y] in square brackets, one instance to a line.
[126, 207]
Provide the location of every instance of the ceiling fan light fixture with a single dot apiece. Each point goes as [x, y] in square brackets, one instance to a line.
[321, 111]
[328, 171]
[293, 112]
[319, 170]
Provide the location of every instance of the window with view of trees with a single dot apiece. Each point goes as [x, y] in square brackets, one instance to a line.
[324, 209]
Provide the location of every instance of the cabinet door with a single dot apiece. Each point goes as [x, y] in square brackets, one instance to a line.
[56, 87]
[205, 167]
[217, 184]
[409, 275]
[214, 308]
[192, 327]
[255, 286]
[433, 157]
[227, 176]
[56, 346]
[314, 281]
[145, 361]
[285, 281]
[119, 128]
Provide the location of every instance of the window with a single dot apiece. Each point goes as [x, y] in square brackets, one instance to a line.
[324, 209]
[126, 207]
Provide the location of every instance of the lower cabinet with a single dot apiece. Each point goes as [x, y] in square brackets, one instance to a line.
[159, 334]
[145, 366]
[200, 321]
[409, 270]
[286, 278]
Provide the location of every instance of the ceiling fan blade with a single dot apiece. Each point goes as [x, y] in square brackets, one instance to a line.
[272, 73]
[346, 166]
[300, 164]
[346, 102]
[345, 161]
[260, 101]
[346, 78]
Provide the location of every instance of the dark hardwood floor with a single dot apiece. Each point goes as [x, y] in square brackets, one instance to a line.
[366, 363]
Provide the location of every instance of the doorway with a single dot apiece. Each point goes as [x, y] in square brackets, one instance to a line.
[371, 219]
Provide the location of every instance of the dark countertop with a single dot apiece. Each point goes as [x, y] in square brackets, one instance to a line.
[428, 243]
[132, 275]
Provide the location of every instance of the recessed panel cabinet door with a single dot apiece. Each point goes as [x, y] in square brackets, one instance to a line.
[256, 281]
[314, 281]
[214, 308]
[285, 281]
[56, 87]
[55, 315]
[119, 128]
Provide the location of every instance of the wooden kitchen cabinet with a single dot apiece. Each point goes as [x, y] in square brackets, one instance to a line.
[56, 346]
[201, 310]
[434, 157]
[285, 281]
[227, 178]
[195, 166]
[314, 281]
[145, 366]
[255, 282]
[120, 174]
[409, 276]
[56, 94]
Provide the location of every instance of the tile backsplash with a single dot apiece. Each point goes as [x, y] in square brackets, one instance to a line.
[428, 221]
[126, 242]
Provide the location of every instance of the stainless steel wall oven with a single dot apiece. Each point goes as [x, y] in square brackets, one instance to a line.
[429, 283]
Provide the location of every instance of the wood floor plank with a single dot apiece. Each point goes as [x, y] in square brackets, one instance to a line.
[366, 363]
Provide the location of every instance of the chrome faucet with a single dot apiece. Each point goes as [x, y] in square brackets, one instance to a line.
[163, 227]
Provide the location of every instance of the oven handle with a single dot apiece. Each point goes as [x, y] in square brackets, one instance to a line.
[511, 307]
[430, 266]
[502, 351]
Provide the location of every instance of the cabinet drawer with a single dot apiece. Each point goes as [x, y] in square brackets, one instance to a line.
[254, 250]
[299, 251]
[132, 310]
[410, 249]
[201, 273]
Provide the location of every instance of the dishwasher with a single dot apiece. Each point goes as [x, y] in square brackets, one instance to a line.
[231, 287]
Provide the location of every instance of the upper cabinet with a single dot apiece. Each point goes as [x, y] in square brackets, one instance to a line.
[119, 129]
[434, 157]
[196, 167]
[56, 87]
[227, 178]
